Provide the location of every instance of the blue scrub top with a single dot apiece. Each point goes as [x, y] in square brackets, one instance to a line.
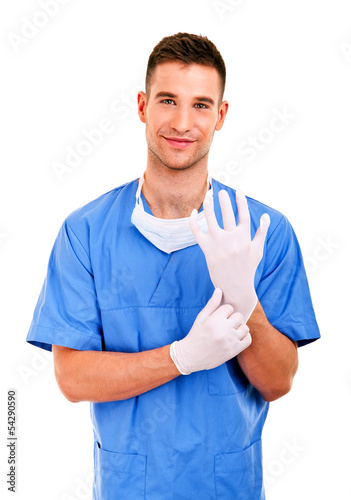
[108, 288]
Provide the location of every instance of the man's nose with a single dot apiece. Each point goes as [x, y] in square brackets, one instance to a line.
[182, 120]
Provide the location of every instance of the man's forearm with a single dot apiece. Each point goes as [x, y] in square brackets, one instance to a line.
[271, 361]
[100, 376]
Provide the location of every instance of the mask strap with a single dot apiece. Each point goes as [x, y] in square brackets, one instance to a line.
[138, 192]
[209, 182]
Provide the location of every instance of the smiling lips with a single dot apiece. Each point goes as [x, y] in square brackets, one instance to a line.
[179, 143]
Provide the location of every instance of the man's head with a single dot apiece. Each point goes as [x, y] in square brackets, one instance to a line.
[188, 49]
[183, 107]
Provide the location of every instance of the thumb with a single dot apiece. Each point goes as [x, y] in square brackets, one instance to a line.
[212, 305]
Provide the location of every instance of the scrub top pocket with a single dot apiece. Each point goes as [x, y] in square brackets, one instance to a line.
[118, 474]
[239, 475]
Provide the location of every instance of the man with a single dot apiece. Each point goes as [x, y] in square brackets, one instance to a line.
[179, 383]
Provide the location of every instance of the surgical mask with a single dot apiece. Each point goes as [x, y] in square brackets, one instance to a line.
[168, 235]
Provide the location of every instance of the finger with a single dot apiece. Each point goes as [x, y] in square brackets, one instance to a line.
[223, 313]
[212, 305]
[243, 334]
[243, 209]
[226, 310]
[227, 210]
[237, 319]
[211, 220]
[261, 233]
[246, 341]
[195, 228]
[243, 330]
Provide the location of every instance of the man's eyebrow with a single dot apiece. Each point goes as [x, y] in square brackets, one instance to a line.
[165, 94]
[169, 95]
[208, 100]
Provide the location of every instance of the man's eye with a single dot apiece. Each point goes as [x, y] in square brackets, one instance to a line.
[200, 105]
[167, 101]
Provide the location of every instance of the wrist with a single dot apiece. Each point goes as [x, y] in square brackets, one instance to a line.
[242, 302]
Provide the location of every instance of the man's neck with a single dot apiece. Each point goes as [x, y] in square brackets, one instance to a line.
[173, 194]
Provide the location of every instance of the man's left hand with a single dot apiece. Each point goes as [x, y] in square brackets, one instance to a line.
[232, 258]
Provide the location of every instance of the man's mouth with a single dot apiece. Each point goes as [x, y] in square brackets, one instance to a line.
[179, 142]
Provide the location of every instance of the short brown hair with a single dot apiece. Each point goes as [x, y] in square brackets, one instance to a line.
[188, 49]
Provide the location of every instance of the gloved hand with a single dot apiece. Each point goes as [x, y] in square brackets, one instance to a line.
[216, 336]
[232, 258]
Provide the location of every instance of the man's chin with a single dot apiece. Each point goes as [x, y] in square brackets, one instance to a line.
[179, 167]
[176, 164]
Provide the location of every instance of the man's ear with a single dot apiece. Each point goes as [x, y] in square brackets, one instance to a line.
[223, 110]
[142, 106]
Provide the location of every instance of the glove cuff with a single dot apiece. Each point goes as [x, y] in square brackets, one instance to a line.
[251, 310]
[174, 350]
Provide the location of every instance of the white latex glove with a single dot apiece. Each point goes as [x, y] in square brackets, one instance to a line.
[232, 258]
[216, 336]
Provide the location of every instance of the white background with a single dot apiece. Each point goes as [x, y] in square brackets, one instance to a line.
[85, 64]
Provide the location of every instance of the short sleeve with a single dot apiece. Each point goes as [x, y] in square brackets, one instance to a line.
[283, 288]
[67, 311]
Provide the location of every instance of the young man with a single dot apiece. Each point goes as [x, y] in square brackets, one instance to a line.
[179, 383]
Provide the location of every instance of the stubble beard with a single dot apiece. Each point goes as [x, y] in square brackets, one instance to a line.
[181, 165]
[159, 158]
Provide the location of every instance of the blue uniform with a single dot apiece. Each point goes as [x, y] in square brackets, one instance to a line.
[108, 288]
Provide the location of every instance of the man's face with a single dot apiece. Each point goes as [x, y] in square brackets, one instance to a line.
[181, 111]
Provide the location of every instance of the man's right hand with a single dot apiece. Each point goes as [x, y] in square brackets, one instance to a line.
[217, 335]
